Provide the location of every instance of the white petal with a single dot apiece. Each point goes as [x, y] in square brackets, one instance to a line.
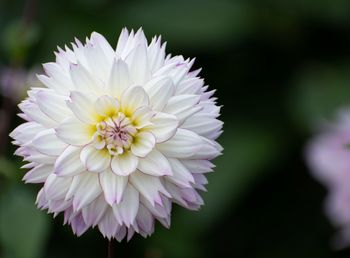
[32, 111]
[32, 155]
[119, 78]
[73, 186]
[47, 143]
[82, 105]
[74, 132]
[124, 164]
[182, 105]
[138, 64]
[68, 163]
[98, 39]
[142, 117]
[123, 38]
[202, 124]
[126, 211]
[83, 80]
[59, 76]
[106, 106]
[181, 175]
[159, 211]
[145, 220]
[38, 174]
[78, 224]
[155, 163]
[56, 187]
[132, 99]
[88, 190]
[120, 235]
[143, 144]
[95, 160]
[52, 84]
[53, 105]
[148, 186]
[198, 166]
[113, 186]
[209, 150]
[94, 212]
[163, 126]
[24, 133]
[156, 54]
[159, 91]
[98, 62]
[184, 144]
[108, 224]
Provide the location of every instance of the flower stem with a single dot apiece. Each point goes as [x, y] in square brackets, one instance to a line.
[110, 249]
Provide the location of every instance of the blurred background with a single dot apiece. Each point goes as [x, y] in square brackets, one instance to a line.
[279, 67]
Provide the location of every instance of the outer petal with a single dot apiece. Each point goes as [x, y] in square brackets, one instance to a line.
[198, 166]
[126, 211]
[53, 105]
[108, 224]
[124, 164]
[163, 126]
[95, 160]
[184, 144]
[182, 106]
[145, 221]
[38, 174]
[94, 212]
[123, 38]
[98, 62]
[83, 81]
[148, 186]
[74, 132]
[24, 133]
[119, 78]
[143, 144]
[181, 175]
[138, 64]
[68, 163]
[113, 186]
[87, 190]
[98, 39]
[159, 91]
[155, 164]
[47, 143]
[203, 124]
[59, 77]
[33, 113]
[56, 187]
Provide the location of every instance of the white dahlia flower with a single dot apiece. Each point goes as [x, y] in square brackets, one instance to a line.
[117, 136]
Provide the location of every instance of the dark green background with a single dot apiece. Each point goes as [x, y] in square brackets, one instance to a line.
[278, 66]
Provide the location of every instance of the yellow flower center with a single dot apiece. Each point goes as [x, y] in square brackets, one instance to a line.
[115, 134]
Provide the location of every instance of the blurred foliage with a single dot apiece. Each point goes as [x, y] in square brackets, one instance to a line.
[319, 92]
[279, 67]
[247, 152]
[23, 228]
[17, 40]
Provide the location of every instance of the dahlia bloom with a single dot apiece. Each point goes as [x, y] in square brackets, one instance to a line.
[117, 136]
[328, 156]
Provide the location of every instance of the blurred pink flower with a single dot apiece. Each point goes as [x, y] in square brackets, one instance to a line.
[14, 82]
[328, 156]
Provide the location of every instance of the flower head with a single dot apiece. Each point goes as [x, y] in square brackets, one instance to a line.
[328, 156]
[117, 136]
